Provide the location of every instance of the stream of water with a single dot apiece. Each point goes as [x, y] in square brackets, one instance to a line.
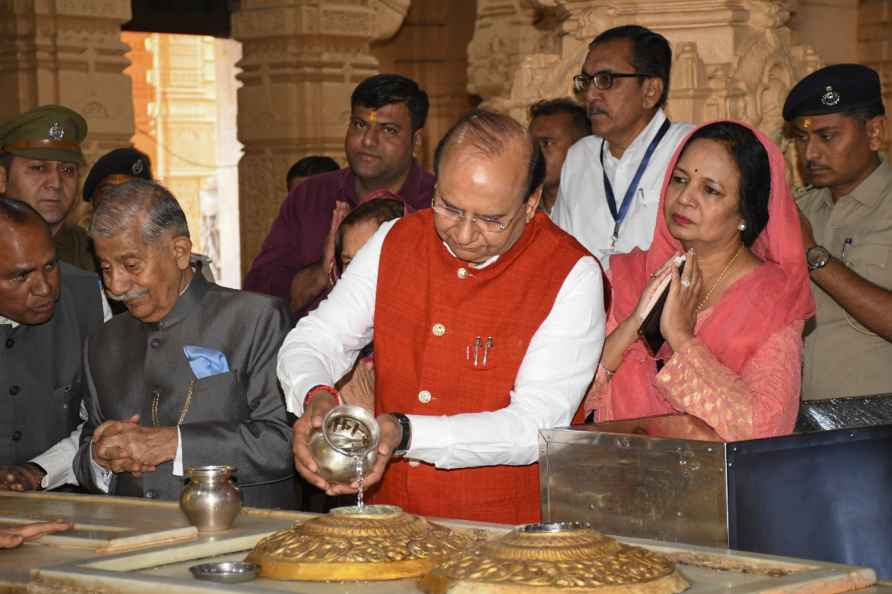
[360, 481]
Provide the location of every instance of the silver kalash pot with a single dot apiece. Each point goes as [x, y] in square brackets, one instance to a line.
[211, 501]
[348, 435]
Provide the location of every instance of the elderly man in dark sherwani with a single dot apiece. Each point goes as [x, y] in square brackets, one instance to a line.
[187, 376]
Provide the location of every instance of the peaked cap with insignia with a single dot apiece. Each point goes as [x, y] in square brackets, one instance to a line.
[835, 89]
[122, 163]
[48, 133]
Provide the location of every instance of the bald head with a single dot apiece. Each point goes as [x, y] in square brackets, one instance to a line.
[488, 135]
[489, 185]
[29, 272]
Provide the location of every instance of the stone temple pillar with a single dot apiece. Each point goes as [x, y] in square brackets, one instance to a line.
[68, 52]
[301, 61]
[830, 26]
[875, 50]
[431, 48]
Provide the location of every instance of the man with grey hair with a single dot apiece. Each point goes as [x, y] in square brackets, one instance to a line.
[488, 323]
[187, 376]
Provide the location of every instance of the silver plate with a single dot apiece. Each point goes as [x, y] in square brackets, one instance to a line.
[226, 573]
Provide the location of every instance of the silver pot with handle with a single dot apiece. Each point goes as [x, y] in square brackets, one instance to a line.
[348, 435]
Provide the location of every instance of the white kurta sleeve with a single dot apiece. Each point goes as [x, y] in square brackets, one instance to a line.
[101, 476]
[555, 372]
[58, 460]
[325, 343]
[178, 457]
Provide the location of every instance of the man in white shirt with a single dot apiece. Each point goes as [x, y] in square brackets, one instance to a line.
[611, 181]
[488, 321]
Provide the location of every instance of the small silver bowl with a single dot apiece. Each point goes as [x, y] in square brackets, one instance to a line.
[554, 527]
[226, 573]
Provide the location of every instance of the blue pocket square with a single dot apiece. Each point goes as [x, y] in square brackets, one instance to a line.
[205, 362]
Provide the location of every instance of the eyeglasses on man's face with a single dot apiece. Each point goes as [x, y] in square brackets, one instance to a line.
[484, 223]
[603, 79]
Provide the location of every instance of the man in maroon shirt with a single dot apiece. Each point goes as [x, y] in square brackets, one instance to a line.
[387, 117]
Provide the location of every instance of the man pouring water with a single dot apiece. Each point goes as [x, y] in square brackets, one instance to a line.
[487, 321]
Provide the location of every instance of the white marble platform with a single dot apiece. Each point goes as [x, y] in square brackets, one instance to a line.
[135, 546]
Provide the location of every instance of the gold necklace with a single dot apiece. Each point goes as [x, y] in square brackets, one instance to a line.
[183, 412]
[722, 274]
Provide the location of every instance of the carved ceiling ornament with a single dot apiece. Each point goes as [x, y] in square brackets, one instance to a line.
[378, 543]
[552, 558]
[389, 17]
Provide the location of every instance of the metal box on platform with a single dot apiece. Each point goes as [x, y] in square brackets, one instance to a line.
[823, 495]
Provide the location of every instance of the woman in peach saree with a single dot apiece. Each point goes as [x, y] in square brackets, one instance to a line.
[734, 315]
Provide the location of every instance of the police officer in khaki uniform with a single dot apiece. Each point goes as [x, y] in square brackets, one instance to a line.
[838, 125]
[40, 159]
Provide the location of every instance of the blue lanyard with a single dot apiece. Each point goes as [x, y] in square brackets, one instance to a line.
[618, 217]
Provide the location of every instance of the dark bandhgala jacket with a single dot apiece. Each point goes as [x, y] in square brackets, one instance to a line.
[236, 417]
[40, 370]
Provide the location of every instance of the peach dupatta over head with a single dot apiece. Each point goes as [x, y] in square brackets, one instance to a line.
[749, 311]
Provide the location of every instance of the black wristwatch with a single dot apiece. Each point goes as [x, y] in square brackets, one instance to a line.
[817, 257]
[406, 428]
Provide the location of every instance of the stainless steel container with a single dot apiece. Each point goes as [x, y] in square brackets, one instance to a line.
[348, 437]
[211, 501]
[823, 495]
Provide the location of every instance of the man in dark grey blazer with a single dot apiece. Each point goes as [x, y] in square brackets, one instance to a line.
[187, 377]
[47, 309]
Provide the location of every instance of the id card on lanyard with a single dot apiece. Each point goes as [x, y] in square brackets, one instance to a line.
[619, 215]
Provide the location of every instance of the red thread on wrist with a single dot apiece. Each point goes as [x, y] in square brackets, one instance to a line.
[316, 390]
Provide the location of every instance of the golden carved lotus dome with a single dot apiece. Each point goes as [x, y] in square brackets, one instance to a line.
[375, 542]
[567, 557]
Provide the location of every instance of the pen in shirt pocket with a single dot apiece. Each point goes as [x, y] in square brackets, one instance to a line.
[845, 248]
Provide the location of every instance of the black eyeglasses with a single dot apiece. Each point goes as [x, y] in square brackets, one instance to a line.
[603, 79]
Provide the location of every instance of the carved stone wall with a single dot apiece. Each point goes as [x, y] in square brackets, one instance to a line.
[301, 60]
[506, 36]
[732, 58]
[68, 52]
[875, 50]
[830, 26]
[431, 48]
